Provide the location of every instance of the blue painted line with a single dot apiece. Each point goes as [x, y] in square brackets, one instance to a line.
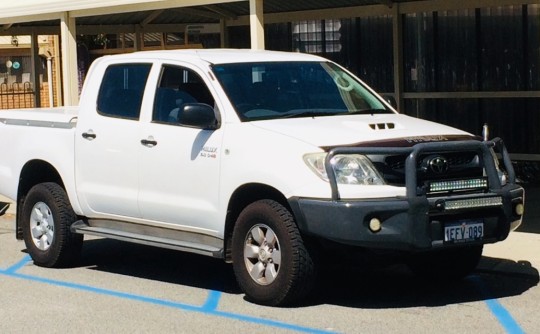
[505, 318]
[14, 268]
[212, 301]
[209, 307]
[500, 312]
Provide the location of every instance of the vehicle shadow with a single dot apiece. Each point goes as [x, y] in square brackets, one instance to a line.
[344, 285]
[397, 287]
[158, 264]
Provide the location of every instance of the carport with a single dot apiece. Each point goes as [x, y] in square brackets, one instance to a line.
[68, 19]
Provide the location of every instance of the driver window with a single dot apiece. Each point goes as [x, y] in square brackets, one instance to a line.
[177, 87]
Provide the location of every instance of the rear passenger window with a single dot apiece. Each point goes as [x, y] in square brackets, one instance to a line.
[177, 87]
[122, 90]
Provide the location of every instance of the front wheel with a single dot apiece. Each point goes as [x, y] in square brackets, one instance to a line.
[271, 263]
[447, 264]
[46, 219]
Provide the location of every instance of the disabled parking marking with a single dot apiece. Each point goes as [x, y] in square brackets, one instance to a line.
[14, 268]
[208, 308]
[500, 312]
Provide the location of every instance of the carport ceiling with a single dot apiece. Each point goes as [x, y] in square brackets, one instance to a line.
[231, 10]
[212, 13]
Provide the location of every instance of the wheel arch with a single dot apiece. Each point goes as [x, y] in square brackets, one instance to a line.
[242, 197]
[32, 173]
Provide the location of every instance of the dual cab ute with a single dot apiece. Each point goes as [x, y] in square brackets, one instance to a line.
[271, 161]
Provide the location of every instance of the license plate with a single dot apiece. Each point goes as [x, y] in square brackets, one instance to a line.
[463, 231]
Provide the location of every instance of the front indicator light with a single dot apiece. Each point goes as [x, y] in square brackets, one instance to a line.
[520, 209]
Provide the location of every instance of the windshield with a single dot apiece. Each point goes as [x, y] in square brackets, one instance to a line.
[294, 89]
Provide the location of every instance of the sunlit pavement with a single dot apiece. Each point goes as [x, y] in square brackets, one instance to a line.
[121, 287]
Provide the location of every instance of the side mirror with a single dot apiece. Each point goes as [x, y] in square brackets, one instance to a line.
[390, 100]
[199, 115]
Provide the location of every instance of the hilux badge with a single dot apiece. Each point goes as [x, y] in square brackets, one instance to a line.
[438, 165]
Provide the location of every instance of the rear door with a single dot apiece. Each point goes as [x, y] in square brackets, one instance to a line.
[108, 145]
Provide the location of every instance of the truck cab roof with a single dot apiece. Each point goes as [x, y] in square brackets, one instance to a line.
[222, 56]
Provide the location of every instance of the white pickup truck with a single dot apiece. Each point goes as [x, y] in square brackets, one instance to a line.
[271, 161]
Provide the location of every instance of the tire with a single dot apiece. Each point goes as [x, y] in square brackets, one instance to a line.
[271, 263]
[448, 264]
[46, 219]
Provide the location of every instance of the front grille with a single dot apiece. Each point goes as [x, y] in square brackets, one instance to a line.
[458, 165]
[460, 159]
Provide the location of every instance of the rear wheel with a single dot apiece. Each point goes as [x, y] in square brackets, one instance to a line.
[447, 264]
[271, 263]
[46, 219]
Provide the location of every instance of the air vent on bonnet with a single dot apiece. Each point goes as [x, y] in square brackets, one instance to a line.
[382, 126]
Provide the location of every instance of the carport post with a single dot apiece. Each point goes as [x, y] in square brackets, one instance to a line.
[224, 36]
[35, 70]
[138, 38]
[256, 24]
[70, 73]
[397, 28]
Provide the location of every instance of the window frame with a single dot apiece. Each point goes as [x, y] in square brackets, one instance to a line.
[106, 84]
[159, 85]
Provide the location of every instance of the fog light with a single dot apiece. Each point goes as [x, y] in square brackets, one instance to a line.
[520, 209]
[375, 225]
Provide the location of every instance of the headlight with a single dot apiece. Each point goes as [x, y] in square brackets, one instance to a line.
[349, 168]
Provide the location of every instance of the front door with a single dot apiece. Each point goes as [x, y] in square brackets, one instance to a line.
[179, 168]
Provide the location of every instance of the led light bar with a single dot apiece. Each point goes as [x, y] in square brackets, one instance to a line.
[472, 203]
[457, 185]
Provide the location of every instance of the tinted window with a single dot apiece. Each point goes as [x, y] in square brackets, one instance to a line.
[177, 87]
[122, 90]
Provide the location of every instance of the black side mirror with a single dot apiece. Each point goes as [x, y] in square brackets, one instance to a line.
[199, 115]
[390, 100]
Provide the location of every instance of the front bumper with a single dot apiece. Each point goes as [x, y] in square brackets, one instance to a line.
[416, 221]
[407, 224]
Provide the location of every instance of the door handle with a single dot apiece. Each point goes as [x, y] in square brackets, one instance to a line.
[90, 135]
[150, 142]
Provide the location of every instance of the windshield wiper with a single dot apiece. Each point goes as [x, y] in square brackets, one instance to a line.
[312, 113]
[333, 112]
[369, 112]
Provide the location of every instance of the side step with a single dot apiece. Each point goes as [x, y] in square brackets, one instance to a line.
[3, 208]
[81, 227]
